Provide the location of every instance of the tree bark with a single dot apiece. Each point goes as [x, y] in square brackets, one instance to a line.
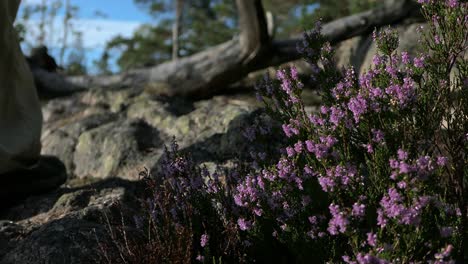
[210, 71]
[66, 28]
[51, 84]
[176, 29]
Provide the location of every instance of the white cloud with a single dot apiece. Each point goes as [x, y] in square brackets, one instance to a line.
[96, 32]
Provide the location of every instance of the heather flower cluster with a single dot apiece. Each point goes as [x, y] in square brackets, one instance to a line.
[187, 218]
[363, 174]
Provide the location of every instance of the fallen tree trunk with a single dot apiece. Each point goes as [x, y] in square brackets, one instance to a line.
[51, 84]
[209, 71]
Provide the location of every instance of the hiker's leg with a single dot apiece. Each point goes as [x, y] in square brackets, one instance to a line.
[20, 111]
[22, 170]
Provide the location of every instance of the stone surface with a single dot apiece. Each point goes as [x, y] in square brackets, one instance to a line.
[97, 140]
[67, 225]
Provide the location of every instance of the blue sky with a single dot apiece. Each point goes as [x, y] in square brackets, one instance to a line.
[122, 17]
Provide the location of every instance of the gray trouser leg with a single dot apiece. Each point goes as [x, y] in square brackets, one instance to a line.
[20, 111]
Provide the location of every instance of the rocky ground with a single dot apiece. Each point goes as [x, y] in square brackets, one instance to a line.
[106, 137]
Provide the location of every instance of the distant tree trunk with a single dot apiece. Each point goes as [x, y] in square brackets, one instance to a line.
[176, 28]
[54, 8]
[253, 28]
[66, 28]
[42, 23]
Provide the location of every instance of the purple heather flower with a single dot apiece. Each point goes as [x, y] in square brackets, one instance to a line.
[310, 145]
[316, 120]
[284, 227]
[204, 240]
[287, 130]
[410, 216]
[369, 148]
[338, 90]
[326, 183]
[377, 60]
[419, 62]
[336, 115]
[377, 135]
[339, 222]
[347, 259]
[391, 204]
[258, 211]
[372, 239]
[358, 106]
[280, 74]
[308, 170]
[402, 94]
[243, 224]
[260, 182]
[299, 183]
[298, 147]
[358, 210]
[394, 195]
[369, 259]
[442, 161]
[376, 93]
[290, 151]
[402, 184]
[402, 155]
[294, 74]
[405, 167]
[425, 163]
[381, 221]
[320, 151]
[405, 57]
[313, 220]
[329, 141]
[394, 164]
[200, 258]
[452, 3]
[391, 70]
[324, 110]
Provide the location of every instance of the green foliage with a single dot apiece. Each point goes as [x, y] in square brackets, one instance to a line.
[147, 46]
[151, 45]
[76, 58]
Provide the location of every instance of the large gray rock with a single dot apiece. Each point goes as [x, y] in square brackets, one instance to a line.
[115, 148]
[97, 138]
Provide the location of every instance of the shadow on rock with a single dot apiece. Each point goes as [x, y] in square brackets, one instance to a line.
[65, 226]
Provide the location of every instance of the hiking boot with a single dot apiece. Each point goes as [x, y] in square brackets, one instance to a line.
[48, 174]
